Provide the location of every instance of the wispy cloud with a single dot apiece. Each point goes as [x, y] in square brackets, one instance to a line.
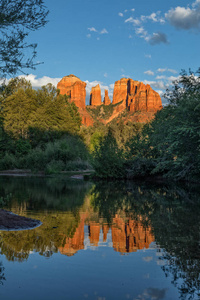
[132, 20]
[149, 72]
[103, 31]
[88, 35]
[147, 55]
[92, 29]
[154, 17]
[120, 14]
[162, 70]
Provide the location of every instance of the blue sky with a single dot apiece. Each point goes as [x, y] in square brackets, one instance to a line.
[103, 41]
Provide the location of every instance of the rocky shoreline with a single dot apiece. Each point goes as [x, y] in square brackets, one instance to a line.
[12, 222]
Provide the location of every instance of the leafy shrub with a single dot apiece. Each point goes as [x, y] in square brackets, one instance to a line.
[54, 166]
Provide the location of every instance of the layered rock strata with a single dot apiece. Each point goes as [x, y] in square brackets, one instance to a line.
[136, 96]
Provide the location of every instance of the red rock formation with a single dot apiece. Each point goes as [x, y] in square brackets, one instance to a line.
[72, 245]
[95, 95]
[130, 236]
[94, 232]
[105, 232]
[136, 96]
[106, 98]
[73, 87]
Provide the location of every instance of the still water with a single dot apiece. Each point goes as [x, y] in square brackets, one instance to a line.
[101, 241]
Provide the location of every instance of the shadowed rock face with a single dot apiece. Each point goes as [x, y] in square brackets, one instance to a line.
[73, 87]
[95, 95]
[106, 98]
[136, 96]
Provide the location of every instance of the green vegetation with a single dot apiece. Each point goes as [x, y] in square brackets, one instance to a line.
[39, 130]
[168, 146]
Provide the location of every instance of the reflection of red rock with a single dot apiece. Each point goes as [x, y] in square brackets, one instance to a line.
[136, 96]
[106, 98]
[95, 95]
[73, 87]
[94, 232]
[105, 232]
[72, 245]
[130, 236]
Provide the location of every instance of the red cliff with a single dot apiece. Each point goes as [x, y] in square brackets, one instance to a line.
[95, 95]
[136, 96]
[73, 87]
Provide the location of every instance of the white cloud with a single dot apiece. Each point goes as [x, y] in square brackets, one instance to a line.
[88, 35]
[103, 87]
[105, 75]
[149, 72]
[141, 32]
[132, 9]
[126, 10]
[38, 82]
[103, 31]
[172, 70]
[156, 84]
[154, 17]
[161, 77]
[185, 17]
[92, 29]
[147, 55]
[120, 14]
[132, 20]
[160, 70]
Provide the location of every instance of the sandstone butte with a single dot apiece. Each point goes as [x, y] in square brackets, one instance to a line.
[132, 95]
[73, 87]
[136, 96]
[95, 96]
[127, 236]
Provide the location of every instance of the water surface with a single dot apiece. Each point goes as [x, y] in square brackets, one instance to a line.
[101, 241]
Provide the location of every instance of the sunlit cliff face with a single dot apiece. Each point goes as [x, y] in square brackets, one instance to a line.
[133, 95]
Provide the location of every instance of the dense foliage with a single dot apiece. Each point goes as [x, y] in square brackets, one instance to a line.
[169, 145]
[39, 129]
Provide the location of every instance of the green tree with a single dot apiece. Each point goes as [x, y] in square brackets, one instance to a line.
[17, 19]
[172, 139]
[108, 158]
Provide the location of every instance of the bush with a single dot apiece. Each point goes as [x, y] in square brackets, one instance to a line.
[54, 167]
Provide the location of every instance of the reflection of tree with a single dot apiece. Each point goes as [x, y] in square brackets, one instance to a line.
[173, 212]
[176, 227]
[2, 277]
[50, 196]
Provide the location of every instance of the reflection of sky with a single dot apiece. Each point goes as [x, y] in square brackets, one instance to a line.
[101, 274]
